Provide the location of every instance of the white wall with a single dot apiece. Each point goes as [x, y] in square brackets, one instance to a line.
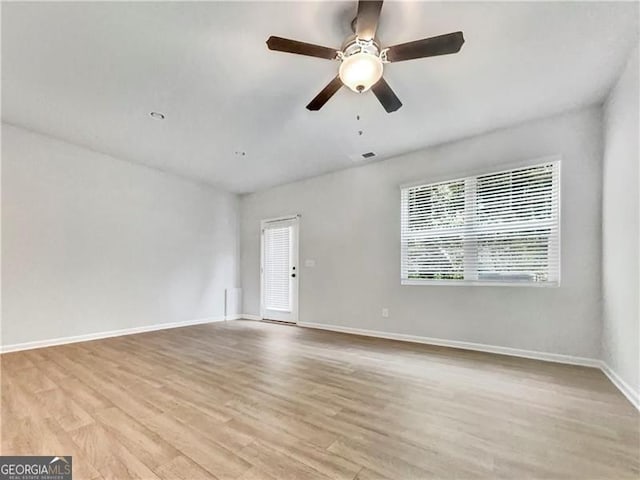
[620, 224]
[91, 243]
[351, 226]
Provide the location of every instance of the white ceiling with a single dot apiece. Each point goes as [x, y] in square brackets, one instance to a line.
[90, 73]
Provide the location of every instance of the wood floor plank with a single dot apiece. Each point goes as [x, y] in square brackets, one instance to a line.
[320, 459]
[256, 474]
[258, 401]
[214, 429]
[183, 468]
[146, 445]
[278, 465]
[217, 459]
[101, 450]
[62, 407]
[54, 440]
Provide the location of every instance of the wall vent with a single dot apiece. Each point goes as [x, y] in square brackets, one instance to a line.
[368, 155]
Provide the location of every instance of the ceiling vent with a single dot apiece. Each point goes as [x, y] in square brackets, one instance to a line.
[359, 157]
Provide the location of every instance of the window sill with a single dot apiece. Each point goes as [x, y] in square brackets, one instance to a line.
[478, 283]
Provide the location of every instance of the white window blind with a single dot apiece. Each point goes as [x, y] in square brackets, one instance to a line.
[277, 263]
[501, 227]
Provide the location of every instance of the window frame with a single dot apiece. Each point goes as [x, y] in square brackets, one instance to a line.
[556, 159]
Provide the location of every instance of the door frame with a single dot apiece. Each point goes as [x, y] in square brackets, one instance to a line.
[295, 260]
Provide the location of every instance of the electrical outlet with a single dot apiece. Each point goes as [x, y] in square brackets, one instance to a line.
[385, 312]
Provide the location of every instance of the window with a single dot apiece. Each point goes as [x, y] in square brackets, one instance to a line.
[498, 228]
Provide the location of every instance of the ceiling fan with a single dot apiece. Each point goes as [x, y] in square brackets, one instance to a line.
[362, 60]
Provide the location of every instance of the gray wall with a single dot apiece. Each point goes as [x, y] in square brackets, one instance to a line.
[350, 226]
[92, 244]
[620, 224]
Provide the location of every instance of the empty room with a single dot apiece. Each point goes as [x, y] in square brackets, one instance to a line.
[320, 240]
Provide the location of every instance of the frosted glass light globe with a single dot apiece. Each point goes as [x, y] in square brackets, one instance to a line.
[360, 71]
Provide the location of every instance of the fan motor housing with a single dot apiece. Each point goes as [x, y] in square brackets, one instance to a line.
[354, 45]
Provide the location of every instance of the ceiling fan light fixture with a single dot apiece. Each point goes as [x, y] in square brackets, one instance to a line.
[360, 71]
[362, 58]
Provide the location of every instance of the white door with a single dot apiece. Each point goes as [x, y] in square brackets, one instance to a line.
[279, 269]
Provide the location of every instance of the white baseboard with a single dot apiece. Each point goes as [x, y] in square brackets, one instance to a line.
[624, 387]
[113, 333]
[479, 347]
[627, 391]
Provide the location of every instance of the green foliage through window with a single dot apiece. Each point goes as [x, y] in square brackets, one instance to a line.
[499, 227]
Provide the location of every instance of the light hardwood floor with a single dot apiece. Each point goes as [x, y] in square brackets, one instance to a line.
[250, 400]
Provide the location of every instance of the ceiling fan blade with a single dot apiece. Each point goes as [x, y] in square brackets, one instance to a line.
[323, 97]
[367, 19]
[386, 96]
[301, 48]
[427, 47]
